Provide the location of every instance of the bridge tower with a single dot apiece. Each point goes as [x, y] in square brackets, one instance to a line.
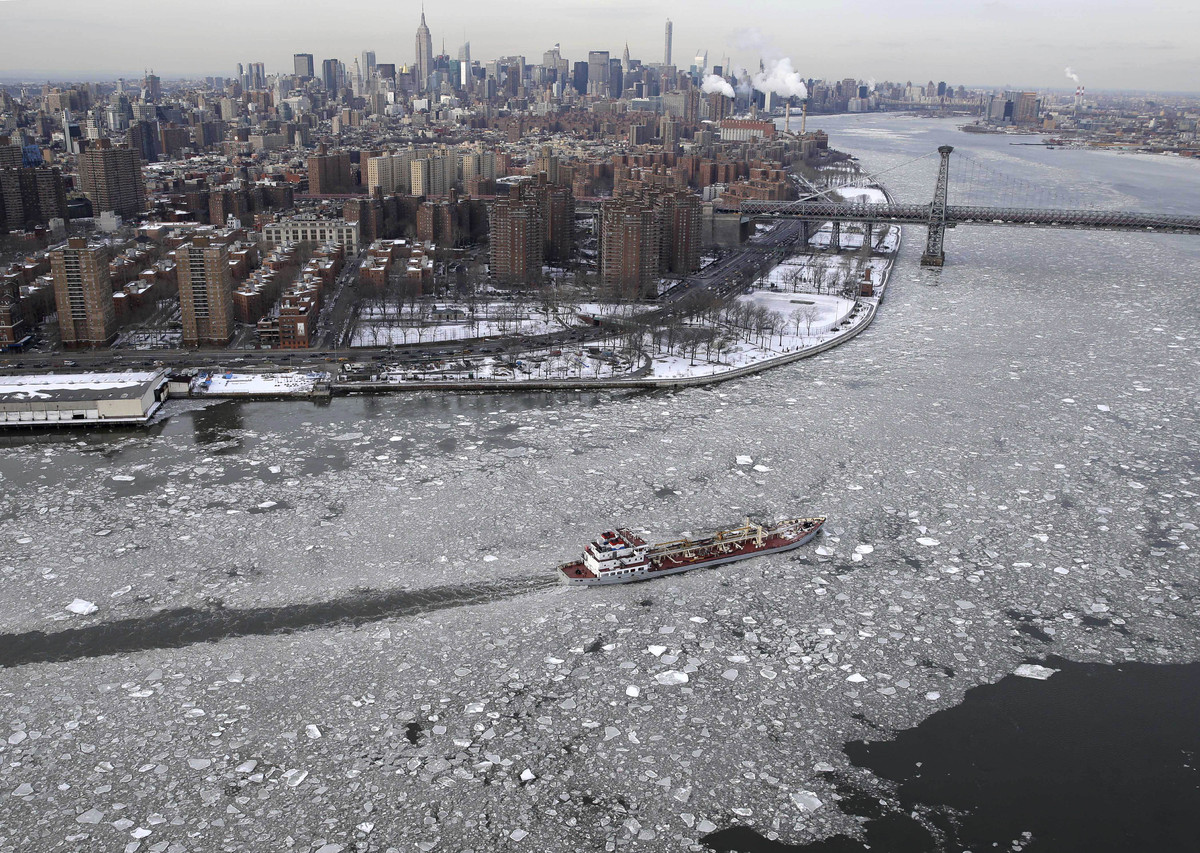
[935, 255]
[835, 236]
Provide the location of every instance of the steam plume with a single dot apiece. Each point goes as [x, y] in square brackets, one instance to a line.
[1072, 75]
[779, 77]
[712, 83]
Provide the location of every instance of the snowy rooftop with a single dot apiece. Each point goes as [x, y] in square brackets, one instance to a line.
[78, 386]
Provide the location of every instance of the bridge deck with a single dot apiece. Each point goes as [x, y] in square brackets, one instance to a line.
[918, 214]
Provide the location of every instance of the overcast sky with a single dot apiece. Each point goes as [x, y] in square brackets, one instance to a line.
[1110, 44]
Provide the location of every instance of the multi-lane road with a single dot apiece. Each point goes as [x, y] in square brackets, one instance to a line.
[728, 275]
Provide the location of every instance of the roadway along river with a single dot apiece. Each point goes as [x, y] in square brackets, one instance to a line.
[1008, 458]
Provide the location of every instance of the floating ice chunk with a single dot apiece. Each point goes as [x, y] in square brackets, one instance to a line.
[365, 827]
[396, 438]
[23, 790]
[610, 733]
[806, 800]
[633, 690]
[1104, 408]
[274, 469]
[140, 832]
[527, 775]
[295, 777]
[761, 468]
[742, 812]
[123, 478]
[656, 650]
[117, 593]
[823, 767]
[199, 763]
[1032, 670]
[90, 816]
[964, 605]
[490, 558]
[864, 549]
[347, 436]
[671, 676]
[330, 848]
[927, 541]
[744, 460]
[932, 695]
[81, 607]
[312, 731]
[16, 737]
[823, 551]
[856, 678]
[267, 504]
[246, 766]
[706, 826]
[730, 674]
[515, 835]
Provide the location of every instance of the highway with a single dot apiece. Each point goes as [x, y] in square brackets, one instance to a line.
[728, 275]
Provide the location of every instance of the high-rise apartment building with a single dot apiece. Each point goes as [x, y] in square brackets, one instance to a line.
[517, 236]
[83, 295]
[630, 247]
[31, 196]
[205, 292]
[304, 65]
[390, 173]
[667, 45]
[112, 178]
[433, 175]
[424, 63]
[329, 173]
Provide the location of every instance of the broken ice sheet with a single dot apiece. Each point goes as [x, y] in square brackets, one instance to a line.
[1032, 670]
[81, 607]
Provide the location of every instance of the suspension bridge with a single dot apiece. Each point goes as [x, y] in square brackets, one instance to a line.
[939, 214]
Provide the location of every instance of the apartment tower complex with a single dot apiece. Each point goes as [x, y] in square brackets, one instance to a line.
[205, 292]
[83, 295]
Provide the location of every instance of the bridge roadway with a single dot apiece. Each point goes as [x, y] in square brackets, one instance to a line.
[919, 214]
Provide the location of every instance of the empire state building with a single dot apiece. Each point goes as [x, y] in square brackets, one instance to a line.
[424, 55]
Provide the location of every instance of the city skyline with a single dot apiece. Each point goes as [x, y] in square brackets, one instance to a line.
[990, 44]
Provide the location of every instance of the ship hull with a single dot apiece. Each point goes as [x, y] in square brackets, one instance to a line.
[575, 573]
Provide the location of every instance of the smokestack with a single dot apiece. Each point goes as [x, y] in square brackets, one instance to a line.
[787, 117]
[803, 115]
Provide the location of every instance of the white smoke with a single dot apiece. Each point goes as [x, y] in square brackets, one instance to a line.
[1073, 75]
[779, 77]
[712, 83]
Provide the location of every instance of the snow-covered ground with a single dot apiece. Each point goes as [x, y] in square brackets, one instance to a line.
[283, 383]
[461, 321]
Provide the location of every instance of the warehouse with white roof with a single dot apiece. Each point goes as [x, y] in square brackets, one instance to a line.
[81, 399]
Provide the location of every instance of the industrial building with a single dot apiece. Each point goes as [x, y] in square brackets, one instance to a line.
[81, 399]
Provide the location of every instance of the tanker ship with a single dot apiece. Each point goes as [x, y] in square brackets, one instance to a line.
[622, 556]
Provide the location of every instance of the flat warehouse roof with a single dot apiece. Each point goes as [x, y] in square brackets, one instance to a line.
[71, 387]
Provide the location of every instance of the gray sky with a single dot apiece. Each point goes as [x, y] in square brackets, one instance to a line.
[1110, 44]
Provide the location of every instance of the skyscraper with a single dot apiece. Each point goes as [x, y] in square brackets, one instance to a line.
[83, 295]
[205, 292]
[667, 46]
[329, 75]
[424, 54]
[112, 178]
[464, 64]
[304, 65]
[368, 63]
[598, 72]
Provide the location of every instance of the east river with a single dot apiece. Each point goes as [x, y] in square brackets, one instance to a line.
[335, 627]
